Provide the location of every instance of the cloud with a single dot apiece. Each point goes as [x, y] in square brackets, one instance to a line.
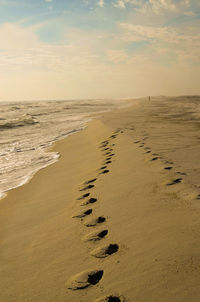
[189, 13]
[141, 32]
[120, 4]
[161, 7]
[8, 3]
[166, 44]
[164, 33]
[158, 5]
[116, 56]
[100, 3]
[139, 56]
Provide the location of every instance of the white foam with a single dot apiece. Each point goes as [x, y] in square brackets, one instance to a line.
[36, 126]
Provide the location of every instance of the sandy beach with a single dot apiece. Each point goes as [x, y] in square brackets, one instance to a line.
[117, 218]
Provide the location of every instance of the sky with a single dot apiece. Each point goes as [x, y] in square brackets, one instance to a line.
[77, 49]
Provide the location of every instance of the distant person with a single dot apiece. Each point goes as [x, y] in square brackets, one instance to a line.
[149, 98]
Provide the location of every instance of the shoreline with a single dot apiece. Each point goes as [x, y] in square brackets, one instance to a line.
[49, 232]
[48, 149]
[26, 152]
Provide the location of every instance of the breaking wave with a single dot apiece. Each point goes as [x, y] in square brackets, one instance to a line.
[18, 122]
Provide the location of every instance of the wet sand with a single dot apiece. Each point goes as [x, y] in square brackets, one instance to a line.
[117, 218]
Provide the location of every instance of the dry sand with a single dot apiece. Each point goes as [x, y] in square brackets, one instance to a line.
[140, 242]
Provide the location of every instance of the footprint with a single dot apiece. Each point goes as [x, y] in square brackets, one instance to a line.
[110, 156]
[148, 152]
[86, 213]
[108, 162]
[175, 181]
[146, 148]
[107, 153]
[90, 181]
[95, 221]
[95, 236]
[104, 144]
[105, 171]
[111, 298]
[87, 188]
[168, 168]
[136, 142]
[105, 251]
[106, 149]
[91, 200]
[181, 173]
[83, 196]
[85, 279]
[169, 162]
[113, 136]
[154, 158]
[104, 167]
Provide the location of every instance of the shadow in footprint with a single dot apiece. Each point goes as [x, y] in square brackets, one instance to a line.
[175, 181]
[91, 200]
[87, 188]
[85, 279]
[95, 221]
[181, 173]
[105, 171]
[103, 145]
[168, 168]
[169, 162]
[104, 142]
[90, 181]
[84, 214]
[111, 298]
[148, 152]
[154, 158]
[83, 196]
[105, 251]
[108, 162]
[104, 167]
[96, 236]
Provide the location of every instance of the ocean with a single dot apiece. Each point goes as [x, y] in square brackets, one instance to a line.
[27, 129]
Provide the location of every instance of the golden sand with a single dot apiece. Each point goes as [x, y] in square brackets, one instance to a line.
[137, 239]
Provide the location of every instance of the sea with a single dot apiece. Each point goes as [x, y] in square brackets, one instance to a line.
[27, 129]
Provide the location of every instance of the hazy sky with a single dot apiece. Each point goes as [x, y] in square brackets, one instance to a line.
[63, 49]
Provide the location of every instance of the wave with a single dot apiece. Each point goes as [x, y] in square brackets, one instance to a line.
[19, 122]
